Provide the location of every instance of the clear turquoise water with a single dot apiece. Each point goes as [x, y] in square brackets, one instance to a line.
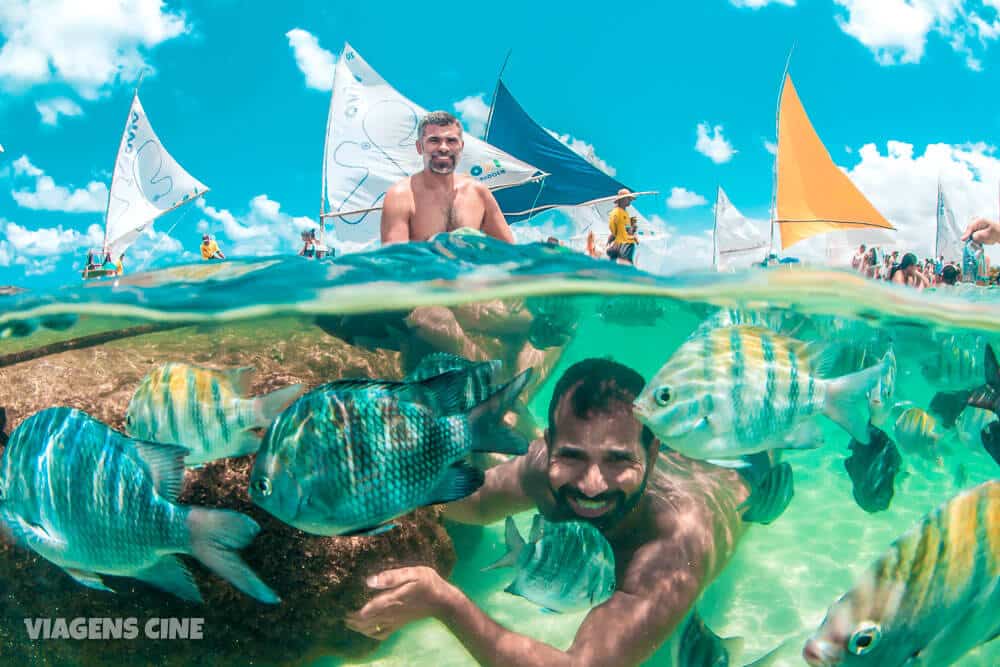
[783, 576]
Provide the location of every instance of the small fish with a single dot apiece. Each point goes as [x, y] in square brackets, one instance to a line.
[203, 409]
[350, 456]
[769, 496]
[629, 310]
[698, 646]
[563, 567]
[947, 406]
[970, 424]
[873, 469]
[917, 433]
[987, 396]
[930, 599]
[739, 390]
[554, 320]
[93, 501]
[956, 361]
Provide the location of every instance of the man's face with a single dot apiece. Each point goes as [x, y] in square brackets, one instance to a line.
[597, 466]
[441, 147]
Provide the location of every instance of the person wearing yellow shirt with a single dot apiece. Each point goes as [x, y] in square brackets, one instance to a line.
[621, 243]
[209, 248]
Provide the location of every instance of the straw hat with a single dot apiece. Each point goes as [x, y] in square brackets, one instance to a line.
[624, 193]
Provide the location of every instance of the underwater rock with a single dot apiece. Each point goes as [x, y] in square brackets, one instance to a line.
[319, 579]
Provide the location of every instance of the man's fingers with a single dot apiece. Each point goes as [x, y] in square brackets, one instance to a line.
[393, 578]
[976, 226]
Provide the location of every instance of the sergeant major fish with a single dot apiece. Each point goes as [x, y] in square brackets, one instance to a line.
[480, 377]
[92, 501]
[740, 390]
[930, 599]
[917, 433]
[563, 567]
[203, 409]
[350, 456]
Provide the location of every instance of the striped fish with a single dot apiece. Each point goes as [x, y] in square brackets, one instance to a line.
[957, 361]
[739, 390]
[204, 410]
[917, 433]
[481, 378]
[930, 599]
[563, 567]
[92, 501]
[970, 424]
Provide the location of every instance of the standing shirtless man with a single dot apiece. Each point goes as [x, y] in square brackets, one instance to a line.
[436, 199]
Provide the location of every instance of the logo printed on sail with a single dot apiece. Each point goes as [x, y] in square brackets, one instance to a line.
[133, 125]
[484, 171]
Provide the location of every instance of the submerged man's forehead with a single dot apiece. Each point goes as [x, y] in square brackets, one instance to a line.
[610, 423]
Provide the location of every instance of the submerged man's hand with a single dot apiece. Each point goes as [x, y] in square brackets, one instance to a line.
[407, 594]
[983, 231]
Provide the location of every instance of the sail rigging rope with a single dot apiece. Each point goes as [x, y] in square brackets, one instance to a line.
[166, 234]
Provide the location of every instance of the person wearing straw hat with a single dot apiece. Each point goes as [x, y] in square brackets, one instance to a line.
[622, 241]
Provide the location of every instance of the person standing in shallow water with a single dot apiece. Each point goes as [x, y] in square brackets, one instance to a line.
[622, 242]
[672, 522]
[437, 199]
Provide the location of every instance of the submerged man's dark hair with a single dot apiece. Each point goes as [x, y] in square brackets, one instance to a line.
[441, 118]
[599, 384]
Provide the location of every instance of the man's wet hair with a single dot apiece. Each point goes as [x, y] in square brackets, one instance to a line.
[441, 118]
[597, 385]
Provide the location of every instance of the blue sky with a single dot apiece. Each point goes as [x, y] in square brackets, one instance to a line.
[901, 91]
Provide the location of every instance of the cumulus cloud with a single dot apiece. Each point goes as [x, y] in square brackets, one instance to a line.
[313, 60]
[40, 250]
[896, 31]
[771, 147]
[474, 112]
[87, 47]
[263, 230]
[46, 195]
[584, 150]
[683, 198]
[50, 110]
[712, 144]
[757, 4]
[669, 251]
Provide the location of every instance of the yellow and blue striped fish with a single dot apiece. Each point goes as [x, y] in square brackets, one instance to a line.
[917, 434]
[930, 599]
[738, 390]
[203, 409]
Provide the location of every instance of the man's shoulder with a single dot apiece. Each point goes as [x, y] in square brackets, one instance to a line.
[401, 187]
[470, 184]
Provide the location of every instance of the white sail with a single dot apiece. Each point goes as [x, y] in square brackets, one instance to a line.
[739, 241]
[371, 144]
[147, 183]
[949, 235]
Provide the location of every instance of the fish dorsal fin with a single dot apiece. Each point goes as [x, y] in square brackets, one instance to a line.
[166, 466]
[992, 369]
[537, 528]
[241, 379]
[822, 357]
[449, 391]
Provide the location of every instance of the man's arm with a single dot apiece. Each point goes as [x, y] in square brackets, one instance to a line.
[501, 495]
[494, 224]
[661, 584]
[396, 214]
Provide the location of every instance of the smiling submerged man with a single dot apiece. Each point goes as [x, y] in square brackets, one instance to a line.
[437, 199]
[672, 522]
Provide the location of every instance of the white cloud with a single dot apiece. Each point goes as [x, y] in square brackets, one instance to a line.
[757, 4]
[263, 230]
[50, 110]
[474, 112]
[712, 144]
[47, 196]
[672, 252]
[771, 147]
[682, 198]
[88, 46]
[40, 250]
[584, 150]
[313, 60]
[896, 31]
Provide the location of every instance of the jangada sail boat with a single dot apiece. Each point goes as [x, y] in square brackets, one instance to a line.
[739, 242]
[146, 184]
[812, 195]
[370, 145]
[948, 240]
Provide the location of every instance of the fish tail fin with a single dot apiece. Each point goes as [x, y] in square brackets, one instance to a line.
[847, 400]
[514, 545]
[488, 432]
[216, 535]
[948, 405]
[269, 406]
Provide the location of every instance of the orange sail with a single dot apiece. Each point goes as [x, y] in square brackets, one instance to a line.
[814, 196]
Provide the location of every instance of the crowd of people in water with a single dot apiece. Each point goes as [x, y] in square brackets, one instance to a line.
[908, 269]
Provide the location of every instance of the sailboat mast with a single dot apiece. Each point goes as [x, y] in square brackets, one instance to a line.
[777, 138]
[715, 229]
[114, 166]
[496, 88]
[326, 139]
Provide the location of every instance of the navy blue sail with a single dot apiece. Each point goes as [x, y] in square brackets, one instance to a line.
[571, 181]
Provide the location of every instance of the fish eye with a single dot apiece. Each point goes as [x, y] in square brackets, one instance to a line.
[865, 638]
[262, 486]
[662, 396]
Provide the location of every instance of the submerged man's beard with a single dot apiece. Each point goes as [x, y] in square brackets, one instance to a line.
[621, 505]
[453, 160]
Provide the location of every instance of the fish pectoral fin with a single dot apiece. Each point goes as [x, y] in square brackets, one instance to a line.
[241, 379]
[268, 407]
[166, 465]
[457, 482]
[88, 579]
[170, 575]
[370, 531]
